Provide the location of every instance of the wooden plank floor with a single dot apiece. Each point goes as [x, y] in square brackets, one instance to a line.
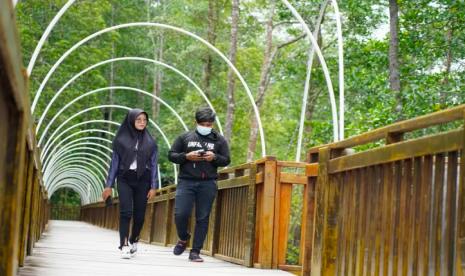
[77, 248]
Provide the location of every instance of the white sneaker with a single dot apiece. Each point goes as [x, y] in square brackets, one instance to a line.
[133, 249]
[125, 252]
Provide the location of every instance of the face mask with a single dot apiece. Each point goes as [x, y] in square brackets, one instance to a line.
[204, 130]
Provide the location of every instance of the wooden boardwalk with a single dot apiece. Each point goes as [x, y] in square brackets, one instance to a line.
[77, 248]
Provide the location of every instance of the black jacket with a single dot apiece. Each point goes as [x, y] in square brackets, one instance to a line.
[192, 141]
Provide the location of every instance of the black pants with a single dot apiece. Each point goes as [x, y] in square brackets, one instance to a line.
[203, 193]
[132, 194]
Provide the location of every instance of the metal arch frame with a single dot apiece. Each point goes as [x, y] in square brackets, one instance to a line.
[85, 174]
[75, 134]
[74, 141]
[60, 153]
[72, 149]
[84, 160]
[77, 154]
[309, 72]
[201, 92]
[81, 157]
[76, 188]
[93, 108]
[323, 66]
[90, 175]
[73, 175]
[84, 155]
[46, 149]
[120, 107]
[169, 27]
[112, 88]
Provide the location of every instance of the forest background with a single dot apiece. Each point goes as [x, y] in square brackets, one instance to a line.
[402, 59]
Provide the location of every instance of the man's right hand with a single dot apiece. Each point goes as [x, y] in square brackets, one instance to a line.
[106, 193]
[194, 156]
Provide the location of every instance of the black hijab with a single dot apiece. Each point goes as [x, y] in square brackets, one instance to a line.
[125, 143]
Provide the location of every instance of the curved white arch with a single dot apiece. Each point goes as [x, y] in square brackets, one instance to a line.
[176, 29]
[95, 156]
[176, 114]
[90, 175]
[323, 66]
[75, 134]
[47, 31]
[82, 160]
[75, 142]
[59, 153]
[76, 178]
[93, 108]
[84, 177]
[113, 106]
[84, 156]
[174, 69]
[73, 186]
[309, 72]
[48, 145]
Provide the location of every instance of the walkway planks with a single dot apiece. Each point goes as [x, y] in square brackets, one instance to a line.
[77, 248]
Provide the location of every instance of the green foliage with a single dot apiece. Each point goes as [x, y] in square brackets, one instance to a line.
[431, 37]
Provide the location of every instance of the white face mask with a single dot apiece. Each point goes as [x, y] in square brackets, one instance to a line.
[204, 130]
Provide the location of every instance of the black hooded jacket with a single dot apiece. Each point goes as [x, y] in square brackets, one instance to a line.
[192, 141]
[125, 150]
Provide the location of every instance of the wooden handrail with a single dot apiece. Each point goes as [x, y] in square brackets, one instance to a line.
[436, 118]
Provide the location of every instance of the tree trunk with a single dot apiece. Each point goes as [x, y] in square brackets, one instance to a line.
[267, 60]
[212, 19]
[394, 75]
[231, 75]
[108, 113]
[157, 55]
[447, 64]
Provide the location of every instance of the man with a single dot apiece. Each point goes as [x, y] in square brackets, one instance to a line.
[199, 153]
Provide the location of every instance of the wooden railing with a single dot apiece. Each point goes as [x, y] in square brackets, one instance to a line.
[250, 217]
[23, 199]
[398, 209]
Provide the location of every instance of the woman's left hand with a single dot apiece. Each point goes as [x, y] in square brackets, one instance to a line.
[151, 193]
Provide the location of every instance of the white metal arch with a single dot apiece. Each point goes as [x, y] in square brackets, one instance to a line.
[79, 174]
[94, 108]
[174, 69]
[173, 28]
[81, 139]
[82, 160]
[90, 175]
[47, 147]
[311, 53]
[93, 130]
[60, 153]
[90, 157]
[323, 66]
[91, 154]
[113, 106]
[56, 162]
[176, 114]
[76, 178]
[75, 187]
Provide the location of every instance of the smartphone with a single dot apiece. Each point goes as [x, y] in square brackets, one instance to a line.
[108, 201]
[201, 152]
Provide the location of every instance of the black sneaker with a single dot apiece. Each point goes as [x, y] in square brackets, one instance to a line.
[179, 247]
[194, 257]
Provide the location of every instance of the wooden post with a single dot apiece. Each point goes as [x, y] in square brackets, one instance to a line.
[265, 244]
[308, 224]
[26, 215]
[251, 216]
[460, 233]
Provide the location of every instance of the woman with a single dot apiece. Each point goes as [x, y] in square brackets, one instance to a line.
[134, 163]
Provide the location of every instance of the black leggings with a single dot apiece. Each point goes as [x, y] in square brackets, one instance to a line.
[132, 194]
